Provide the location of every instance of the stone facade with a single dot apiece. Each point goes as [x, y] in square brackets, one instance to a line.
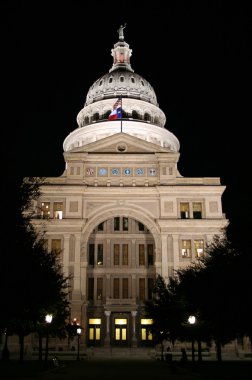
[121, 212]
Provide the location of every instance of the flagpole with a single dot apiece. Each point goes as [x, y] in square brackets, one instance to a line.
[121, 114]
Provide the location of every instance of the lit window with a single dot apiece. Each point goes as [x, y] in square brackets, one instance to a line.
[186, 248]
[45, 210]
[58, 210]
[199, 248]
[184, 210]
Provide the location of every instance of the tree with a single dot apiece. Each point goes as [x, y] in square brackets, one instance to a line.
[33, 282]
[165, 311]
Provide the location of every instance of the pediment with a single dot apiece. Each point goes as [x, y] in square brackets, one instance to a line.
[121, 143]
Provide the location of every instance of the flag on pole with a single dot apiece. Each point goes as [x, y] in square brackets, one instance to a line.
[116, 113]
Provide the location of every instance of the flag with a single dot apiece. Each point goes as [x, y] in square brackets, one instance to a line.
[116, 113]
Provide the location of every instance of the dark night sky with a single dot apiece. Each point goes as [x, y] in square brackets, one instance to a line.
[196, 55]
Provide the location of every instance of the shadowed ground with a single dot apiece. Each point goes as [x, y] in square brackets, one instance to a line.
[127, 369]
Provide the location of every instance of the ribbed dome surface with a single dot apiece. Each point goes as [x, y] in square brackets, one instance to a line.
[121, 82]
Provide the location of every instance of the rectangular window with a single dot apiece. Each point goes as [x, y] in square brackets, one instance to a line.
[141, 254]
[56, 246]
[142, 289]
[91, 288]
[186, 248]
[99, 287]
[125, 224]
[58, 210]
[125, 289]
[116, 254]
[117, 224]
[125, 254]
[199, 248]
[140, 226]
[150, 254]
[150, 287]
[100, 227]
[45, 210]
[91, 254]
[100, 254]
[197, 210]
[116, 288]
[184, 210]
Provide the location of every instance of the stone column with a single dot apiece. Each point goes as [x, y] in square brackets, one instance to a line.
[107, 336]
[164, 257]
[77, 285]
[66, 255]
[134, 338]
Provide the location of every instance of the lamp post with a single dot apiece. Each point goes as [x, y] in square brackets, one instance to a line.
[192, 321]
[78, 348]
[48, 319]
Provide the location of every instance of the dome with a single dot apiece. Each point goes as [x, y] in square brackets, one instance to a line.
[121, 82]
[140, 113]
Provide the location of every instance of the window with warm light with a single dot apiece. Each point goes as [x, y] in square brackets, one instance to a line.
[199, 248]
[146, 334]
[94, 329]
[58, 210]
[45, 210]
[184, 210]
[186, 248]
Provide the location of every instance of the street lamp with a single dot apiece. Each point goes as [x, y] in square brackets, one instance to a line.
[48, 319]
[78, 335]
[192, 321]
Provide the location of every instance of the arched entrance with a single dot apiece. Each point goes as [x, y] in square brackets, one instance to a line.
[121, 256]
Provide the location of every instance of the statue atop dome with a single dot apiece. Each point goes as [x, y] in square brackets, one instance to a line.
[120, 31]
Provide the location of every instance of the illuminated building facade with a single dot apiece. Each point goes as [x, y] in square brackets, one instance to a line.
[121, 212]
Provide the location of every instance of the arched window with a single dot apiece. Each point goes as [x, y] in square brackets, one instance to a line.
[147, 117]
[100, 83]
[96, 116]
[135, 115]
[110, 79]
[86, 120]
[142, 83]
[132, 80]
[121, 79]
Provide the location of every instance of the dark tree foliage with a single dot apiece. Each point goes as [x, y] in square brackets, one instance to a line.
[165, 311]
[216, 289]
[32, 281]
[207, 288]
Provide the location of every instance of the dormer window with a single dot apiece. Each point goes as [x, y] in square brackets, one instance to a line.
[142, 83]
[110, 80]
[121, 79]
[132, 80]
[100, 83]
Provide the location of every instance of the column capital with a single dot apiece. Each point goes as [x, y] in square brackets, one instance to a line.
[133, 313]
[107, 313]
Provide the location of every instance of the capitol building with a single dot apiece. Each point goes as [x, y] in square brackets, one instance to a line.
[121, 212]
